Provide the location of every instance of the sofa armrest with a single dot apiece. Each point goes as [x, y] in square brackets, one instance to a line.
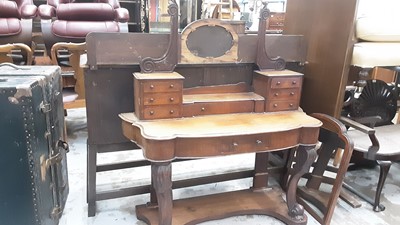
[47, 11]
[121, 15]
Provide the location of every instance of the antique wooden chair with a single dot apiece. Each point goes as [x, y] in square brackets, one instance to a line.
[16, 31]
[375, 137]
[65, 25]
[323, 183]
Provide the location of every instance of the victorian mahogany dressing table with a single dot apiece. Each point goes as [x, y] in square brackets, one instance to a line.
[171, 122]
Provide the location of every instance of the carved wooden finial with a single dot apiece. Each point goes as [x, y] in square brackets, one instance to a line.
[263, 60]
[169, 60]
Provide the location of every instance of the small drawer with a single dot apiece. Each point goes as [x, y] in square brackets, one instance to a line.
[162, 86]
[161, 112]
[199, 109]
[225, 145]
[286, 82]
[284, 94]
[274, 106]
[168, 98]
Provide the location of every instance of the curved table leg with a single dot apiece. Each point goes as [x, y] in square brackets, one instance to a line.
[162, 183]
[305, 156]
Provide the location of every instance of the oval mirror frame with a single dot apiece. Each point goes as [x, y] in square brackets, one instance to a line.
[196, 49]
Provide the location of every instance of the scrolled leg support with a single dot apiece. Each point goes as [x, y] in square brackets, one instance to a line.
[305, 156]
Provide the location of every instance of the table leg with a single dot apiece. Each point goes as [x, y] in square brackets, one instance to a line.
[91, 179]
[162, 183]
[260, 179]
[305, 156]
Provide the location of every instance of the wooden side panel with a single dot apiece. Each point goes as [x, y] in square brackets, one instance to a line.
[132, 47]
[384, 74]
[328, 28]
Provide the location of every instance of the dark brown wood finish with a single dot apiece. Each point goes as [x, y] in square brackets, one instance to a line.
[263, 60]
[109, 75]
[179, 139]
[320, 193]
[281, 89]
[328, 28]
[168, 61]
[159, 95]
[102, 51]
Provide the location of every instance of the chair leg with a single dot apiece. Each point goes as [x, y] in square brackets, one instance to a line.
[384, 170]
[91, 179]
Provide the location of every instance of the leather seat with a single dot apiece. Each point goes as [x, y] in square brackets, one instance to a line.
[16, 23]
[71, 21]
[65, 24]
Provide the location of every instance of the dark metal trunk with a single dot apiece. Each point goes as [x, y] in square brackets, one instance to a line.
[33, 164]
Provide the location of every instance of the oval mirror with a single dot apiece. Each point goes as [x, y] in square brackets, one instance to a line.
[209, 41]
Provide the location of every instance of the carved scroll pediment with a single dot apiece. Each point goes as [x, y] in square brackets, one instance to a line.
[169, 60]
[263, 60]
[209, 41]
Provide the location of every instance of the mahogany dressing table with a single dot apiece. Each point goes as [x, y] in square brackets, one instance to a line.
[171, 122]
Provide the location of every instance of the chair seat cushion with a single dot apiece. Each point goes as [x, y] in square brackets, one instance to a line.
[371, 54]
[10, 26]
[378, 29]
[79, 29]
[388, 137]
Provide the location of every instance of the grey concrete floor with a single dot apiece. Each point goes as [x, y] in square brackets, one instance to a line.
[122, 211]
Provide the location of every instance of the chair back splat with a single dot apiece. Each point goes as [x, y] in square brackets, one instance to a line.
[16, 31]
[323, 184]
[375, 136]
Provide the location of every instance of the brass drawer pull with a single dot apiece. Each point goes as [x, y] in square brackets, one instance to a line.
[258, 142]
[203, 109]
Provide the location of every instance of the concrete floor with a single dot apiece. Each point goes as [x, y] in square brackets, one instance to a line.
[122, 211]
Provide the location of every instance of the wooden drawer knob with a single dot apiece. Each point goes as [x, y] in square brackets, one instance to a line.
[203, 109]
[151, 112]
[275, 105]
[151, 99]
[278, 83]
[291, 104]
[294, 82]
[171, 99]
[171, 112]
[171, 86]
[291, 93]
[276, 94]
[151, 86]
